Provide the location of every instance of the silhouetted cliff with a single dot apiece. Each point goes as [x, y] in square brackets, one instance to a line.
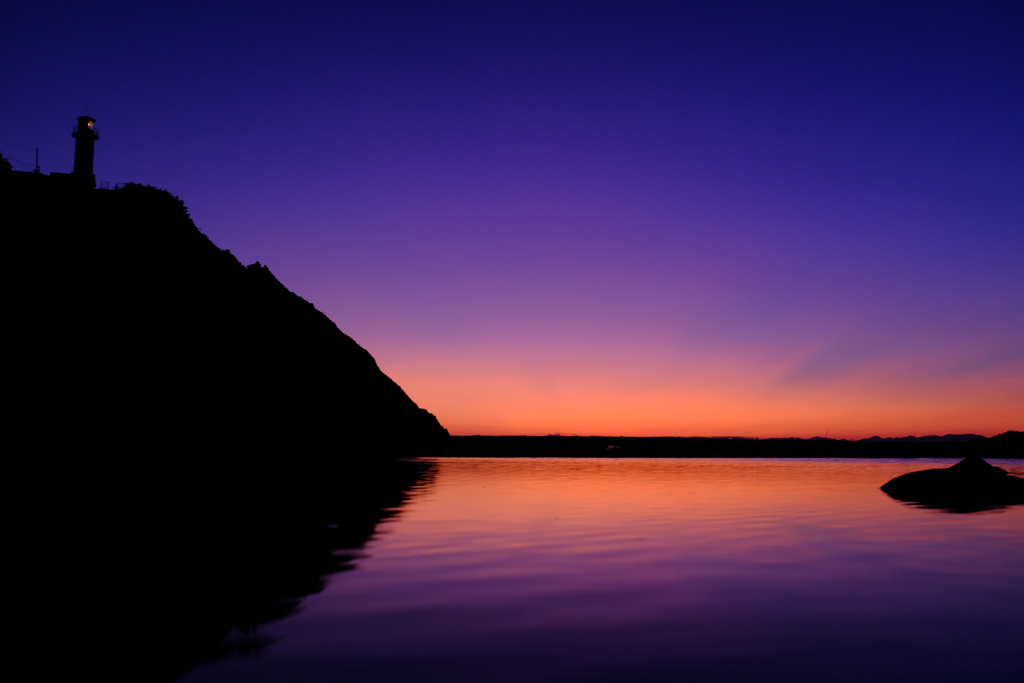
[227, 425]
[134, 331]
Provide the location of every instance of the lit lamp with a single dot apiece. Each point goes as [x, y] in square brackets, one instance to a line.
[85, 135]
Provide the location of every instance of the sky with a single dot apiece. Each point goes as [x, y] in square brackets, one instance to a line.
[619, 218]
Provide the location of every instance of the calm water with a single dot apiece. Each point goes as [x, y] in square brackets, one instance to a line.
[650, 570]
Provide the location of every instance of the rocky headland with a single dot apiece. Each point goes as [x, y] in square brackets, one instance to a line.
[134, 332]
[192, 447]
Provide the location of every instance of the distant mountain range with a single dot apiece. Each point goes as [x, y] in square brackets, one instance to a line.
[933, 438]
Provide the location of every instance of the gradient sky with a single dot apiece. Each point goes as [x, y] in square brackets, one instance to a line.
[637, 218]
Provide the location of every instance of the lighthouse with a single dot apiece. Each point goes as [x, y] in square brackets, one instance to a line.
[85, 135]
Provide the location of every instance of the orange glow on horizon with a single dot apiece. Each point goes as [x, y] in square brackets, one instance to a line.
[723, 399]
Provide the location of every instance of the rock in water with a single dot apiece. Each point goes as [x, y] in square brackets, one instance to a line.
[968, 486]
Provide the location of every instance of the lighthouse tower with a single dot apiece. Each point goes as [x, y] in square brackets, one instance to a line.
[85, 135]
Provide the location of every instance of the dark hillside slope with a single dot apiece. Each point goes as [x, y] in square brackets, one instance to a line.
[134, 331]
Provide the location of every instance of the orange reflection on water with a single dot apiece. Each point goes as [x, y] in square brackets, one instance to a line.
[759, 510]
[665, 570]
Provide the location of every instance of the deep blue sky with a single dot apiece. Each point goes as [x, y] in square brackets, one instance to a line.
[646, 218]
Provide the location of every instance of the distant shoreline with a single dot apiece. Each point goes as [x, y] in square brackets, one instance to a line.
[1007, 445]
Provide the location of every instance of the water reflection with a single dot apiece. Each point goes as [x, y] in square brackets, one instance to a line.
[151, 568]
[664, 570]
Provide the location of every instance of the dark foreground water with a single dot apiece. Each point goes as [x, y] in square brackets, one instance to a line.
[663, 570]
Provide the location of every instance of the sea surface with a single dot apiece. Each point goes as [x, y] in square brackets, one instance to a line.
[663, 570]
